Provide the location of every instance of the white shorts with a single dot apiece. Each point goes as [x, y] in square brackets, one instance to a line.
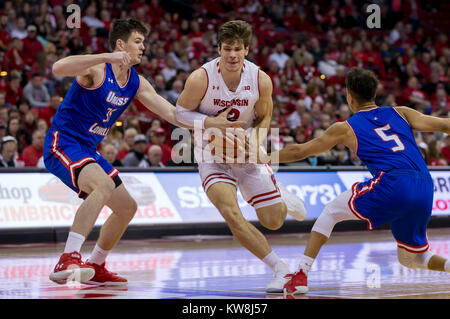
[255, 181]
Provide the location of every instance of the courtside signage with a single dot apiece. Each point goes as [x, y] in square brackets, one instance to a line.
[40, 200]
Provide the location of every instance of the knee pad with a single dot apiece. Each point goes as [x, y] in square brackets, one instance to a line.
[414, 260]
[333, 213]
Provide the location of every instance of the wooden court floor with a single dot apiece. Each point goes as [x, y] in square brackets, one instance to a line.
[353, 265]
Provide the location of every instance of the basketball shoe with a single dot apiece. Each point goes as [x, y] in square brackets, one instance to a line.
[279, 279]
[294, 204]
[297, 283]
[104, 277]
[70, 267]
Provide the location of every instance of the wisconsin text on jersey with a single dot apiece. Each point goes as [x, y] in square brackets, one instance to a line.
[233, 102]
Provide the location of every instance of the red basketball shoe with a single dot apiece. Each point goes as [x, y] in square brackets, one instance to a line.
[105, 277]
[70, 267]
[297, 284]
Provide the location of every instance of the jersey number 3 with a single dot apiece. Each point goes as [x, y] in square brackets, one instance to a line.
[393, 137]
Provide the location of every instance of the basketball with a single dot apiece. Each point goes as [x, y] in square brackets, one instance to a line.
[222, 146]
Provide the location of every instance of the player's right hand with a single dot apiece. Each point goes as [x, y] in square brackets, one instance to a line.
[221, 121]
[119, 57]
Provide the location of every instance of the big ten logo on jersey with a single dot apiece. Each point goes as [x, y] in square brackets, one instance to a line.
[114, 99]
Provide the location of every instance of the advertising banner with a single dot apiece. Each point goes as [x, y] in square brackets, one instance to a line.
[30, 200]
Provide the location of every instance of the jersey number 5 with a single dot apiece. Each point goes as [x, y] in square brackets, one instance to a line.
[393, 137]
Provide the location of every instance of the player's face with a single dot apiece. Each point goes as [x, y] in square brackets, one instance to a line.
[135, 47]
[232, 55]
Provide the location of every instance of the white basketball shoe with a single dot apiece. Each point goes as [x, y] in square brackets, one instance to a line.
[276, 284]
[295, 205]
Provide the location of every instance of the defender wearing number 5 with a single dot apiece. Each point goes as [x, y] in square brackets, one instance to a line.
[401, 190]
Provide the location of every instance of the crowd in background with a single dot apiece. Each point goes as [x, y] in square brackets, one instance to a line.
[306, 47]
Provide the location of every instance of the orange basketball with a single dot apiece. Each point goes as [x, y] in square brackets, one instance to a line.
[222, 147]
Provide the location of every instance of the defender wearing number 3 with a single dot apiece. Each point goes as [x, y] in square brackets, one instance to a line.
[401, 190]
[103, 87]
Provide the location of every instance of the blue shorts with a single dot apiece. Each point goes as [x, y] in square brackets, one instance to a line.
[65, 156]
[403, 198]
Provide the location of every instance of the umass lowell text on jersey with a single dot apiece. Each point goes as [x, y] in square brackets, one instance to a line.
[88, 113]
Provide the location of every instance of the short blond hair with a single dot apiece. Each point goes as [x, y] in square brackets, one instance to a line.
[235, 31]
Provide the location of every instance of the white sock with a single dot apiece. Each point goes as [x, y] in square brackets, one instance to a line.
[447, 265]
[306, 264]
[98, 255]
[272, 260]
[74, 242]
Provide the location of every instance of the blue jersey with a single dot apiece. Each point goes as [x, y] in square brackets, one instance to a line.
[401, 191]
[87, 114]
[385, 141]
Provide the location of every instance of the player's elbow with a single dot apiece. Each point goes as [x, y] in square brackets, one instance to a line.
[58, 69]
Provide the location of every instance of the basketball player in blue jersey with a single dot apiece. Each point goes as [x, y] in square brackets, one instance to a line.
[401, 190]
[104, 86]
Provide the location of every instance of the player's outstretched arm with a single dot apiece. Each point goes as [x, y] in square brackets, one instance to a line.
[189, 100]
[81, 65]
[156, 103]
[424, 123]
[336, 133]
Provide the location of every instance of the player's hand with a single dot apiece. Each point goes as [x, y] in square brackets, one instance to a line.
[221, 121]
[119, 57]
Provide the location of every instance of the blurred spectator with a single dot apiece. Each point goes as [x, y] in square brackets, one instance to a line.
[31, 45]
[434, 152]
[4, 116]
[127, 144]
[157, 136]
[441, 103]
[160, 86]
[14, 91]
[169, 71]
[32, 153]
[109, 152]
[8, 150]
[41, 124]
[137, 153]
[15, 56]
[446, 149]
[19, 31]
[29, 124]
[3, 127]
[91, 19]
[294, 119]
[279, 56]
[36, 92]
[153, 158]
[414, 95]
[47, 113]
[174, 93]
[15, 130]
[3, 99]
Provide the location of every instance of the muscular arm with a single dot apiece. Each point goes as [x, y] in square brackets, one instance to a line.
[424, 123]
[78, 65]
[156, 103]
[336, 133]
[189, 100]
[88, 68]
[263, 107]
